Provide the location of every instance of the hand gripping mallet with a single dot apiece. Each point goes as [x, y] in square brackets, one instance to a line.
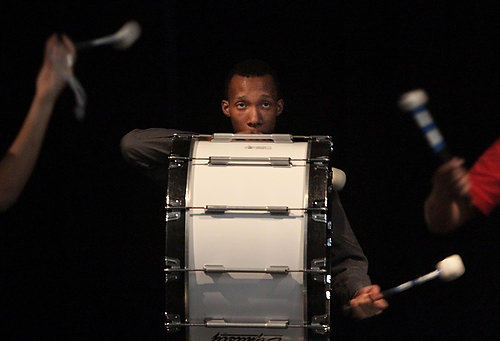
[447, 270]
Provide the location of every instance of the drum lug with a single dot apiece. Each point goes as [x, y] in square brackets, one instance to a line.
[172, 322]
[176, 162]
[318, 264]
[319, 217]
[319, 203]
[221, 209]
[321, 138]
[320, 165]
[172, 263]
[321, 324]
[173, 165]
[173, 216]
[173, 203]
[271, 324]
[250, 161]
[277, 138]
[273, 269]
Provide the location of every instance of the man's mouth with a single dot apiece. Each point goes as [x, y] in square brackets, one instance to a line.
[253, 132]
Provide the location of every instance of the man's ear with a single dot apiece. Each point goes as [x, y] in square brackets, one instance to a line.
[281, 105]
[225, 107]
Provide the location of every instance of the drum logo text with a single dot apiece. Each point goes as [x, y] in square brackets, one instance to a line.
[243, 337]
[258, 147]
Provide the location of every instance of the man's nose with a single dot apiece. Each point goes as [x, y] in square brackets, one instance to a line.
[254, 117]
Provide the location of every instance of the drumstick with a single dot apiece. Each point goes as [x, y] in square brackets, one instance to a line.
[122, 39]
[448, 269]
[415, 101]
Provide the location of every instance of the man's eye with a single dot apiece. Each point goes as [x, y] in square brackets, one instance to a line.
[240, 105]
[266, 104]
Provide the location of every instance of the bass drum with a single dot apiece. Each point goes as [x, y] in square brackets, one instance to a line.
[255, 235]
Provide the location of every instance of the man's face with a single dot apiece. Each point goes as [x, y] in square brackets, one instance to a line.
[252, 104]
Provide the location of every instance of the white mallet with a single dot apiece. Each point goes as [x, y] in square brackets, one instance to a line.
[338, 179]
[448, 269]
[415, 102]
[122, 39]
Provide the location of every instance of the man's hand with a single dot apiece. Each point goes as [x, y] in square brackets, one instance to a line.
[450, 180]
[368, 302]
[59, 57]
[449, 204]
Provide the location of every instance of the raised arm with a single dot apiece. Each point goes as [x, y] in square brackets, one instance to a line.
[19, 161]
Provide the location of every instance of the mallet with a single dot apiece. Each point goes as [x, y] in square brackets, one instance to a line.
[121, 39]
[448, 269]
[415, 102]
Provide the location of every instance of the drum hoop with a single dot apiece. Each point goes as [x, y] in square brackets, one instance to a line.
[261, 137]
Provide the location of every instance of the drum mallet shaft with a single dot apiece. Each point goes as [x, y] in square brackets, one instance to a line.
[448, 269]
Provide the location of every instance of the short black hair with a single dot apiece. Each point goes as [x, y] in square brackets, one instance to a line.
[251, 68]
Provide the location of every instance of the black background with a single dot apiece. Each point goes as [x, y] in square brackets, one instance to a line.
[82, 249]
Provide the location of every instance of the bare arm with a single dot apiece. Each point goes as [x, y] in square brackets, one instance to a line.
[448, 205]
[20, 159]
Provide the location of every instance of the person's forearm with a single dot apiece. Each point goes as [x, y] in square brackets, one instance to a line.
[18, 163]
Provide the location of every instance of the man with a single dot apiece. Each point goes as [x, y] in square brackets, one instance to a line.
[19, 161]
[458, 195]
[253, 103]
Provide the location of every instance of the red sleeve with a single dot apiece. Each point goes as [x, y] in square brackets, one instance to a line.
[484, 179]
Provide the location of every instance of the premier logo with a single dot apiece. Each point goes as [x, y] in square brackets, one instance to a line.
[243, 337]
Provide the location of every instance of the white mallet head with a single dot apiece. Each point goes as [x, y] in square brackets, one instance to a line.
[127, 35]
[338, 179]
[413, 99]
[450, 268]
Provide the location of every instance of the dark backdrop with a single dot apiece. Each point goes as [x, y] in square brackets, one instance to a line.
[82, 250]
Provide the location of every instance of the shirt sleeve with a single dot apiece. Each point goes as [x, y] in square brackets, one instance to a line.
[484, 178]
[349, 263]
[148, 150]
